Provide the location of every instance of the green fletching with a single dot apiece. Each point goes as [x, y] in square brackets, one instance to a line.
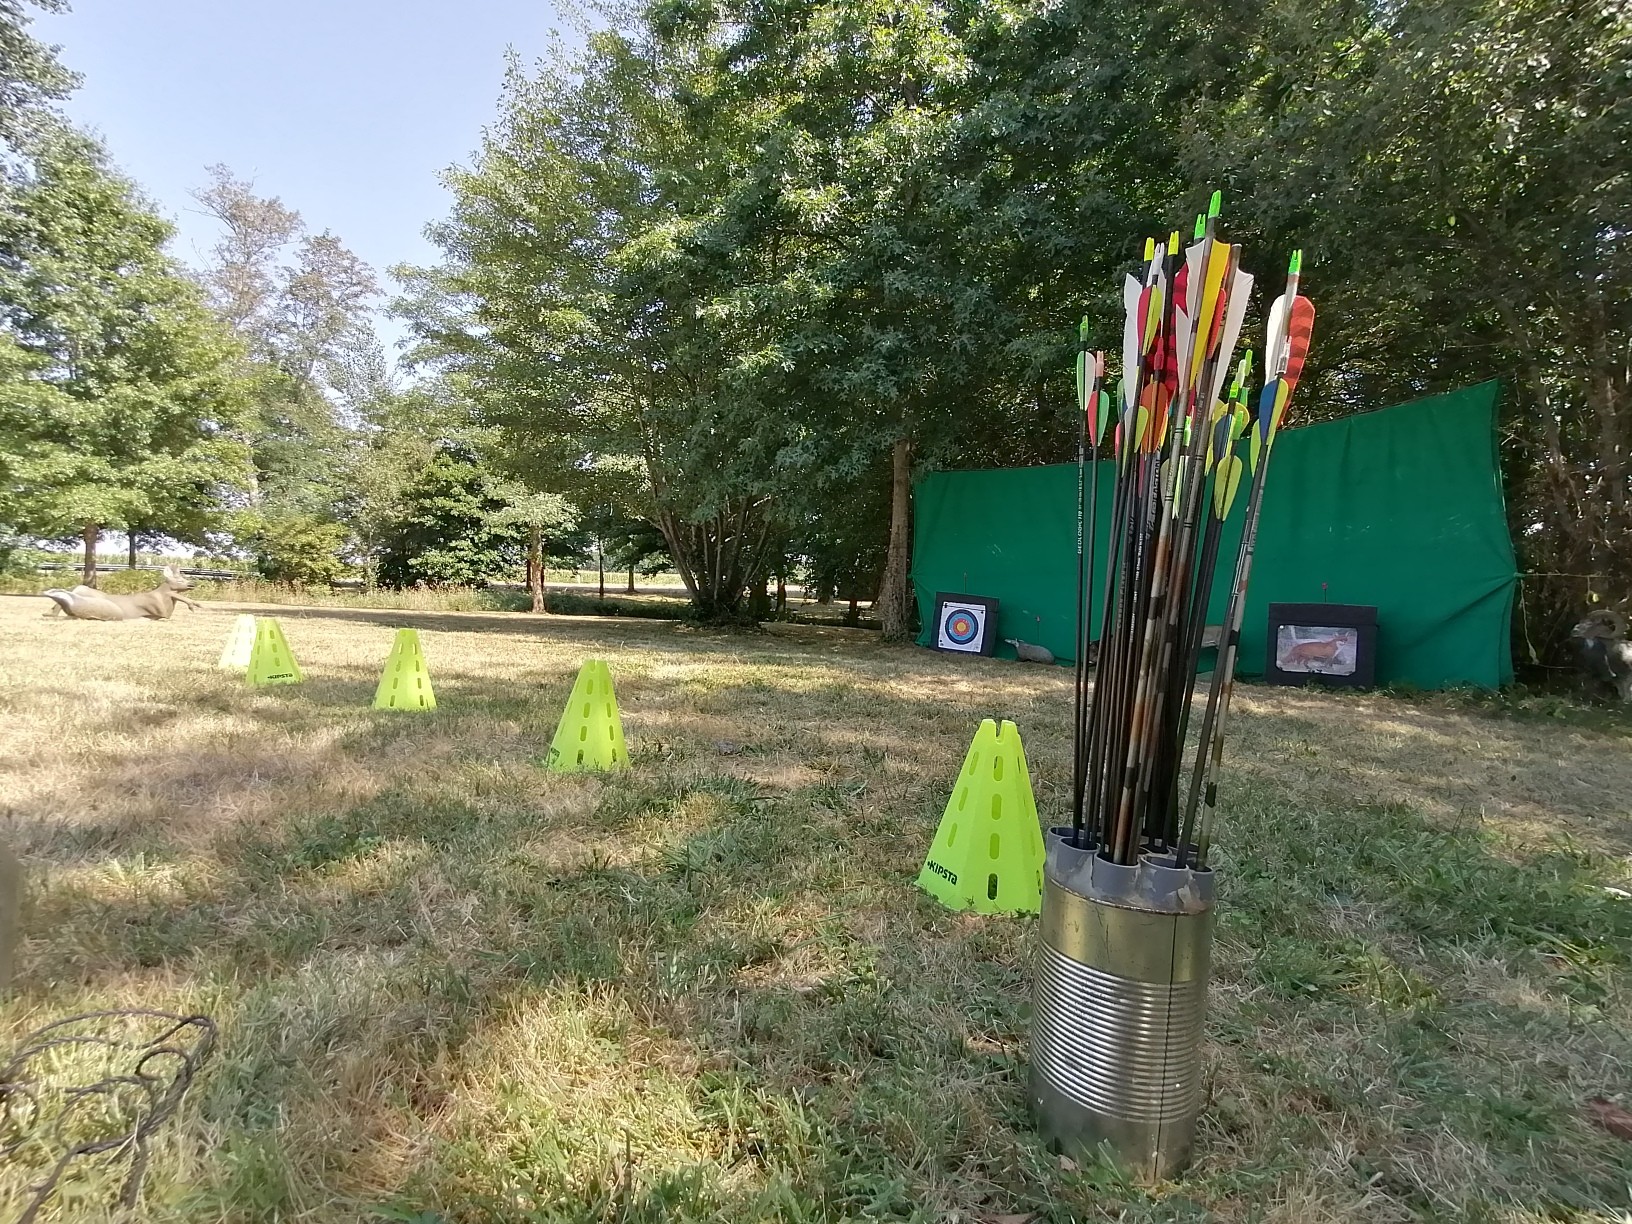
[1104, 415]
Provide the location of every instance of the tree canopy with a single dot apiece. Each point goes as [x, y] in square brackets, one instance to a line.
[741, 271]
[119, 392]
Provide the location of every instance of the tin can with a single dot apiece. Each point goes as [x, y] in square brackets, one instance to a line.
[1119, 1003]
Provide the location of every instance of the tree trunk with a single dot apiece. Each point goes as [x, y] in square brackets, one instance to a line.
[130, 537]
[92, 534]
[535, 565]
[600, 564]
[631, 588]
[894, 604]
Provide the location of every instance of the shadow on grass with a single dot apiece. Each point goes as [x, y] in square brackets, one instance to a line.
[696, 1001]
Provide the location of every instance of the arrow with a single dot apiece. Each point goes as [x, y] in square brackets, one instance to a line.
[1287, 342]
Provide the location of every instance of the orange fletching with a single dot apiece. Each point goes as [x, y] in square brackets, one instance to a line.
[1300, 324]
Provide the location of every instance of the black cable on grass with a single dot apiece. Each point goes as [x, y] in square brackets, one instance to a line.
[49, 1097]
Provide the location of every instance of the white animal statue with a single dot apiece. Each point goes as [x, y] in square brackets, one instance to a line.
[1605, 652]
[88, 603]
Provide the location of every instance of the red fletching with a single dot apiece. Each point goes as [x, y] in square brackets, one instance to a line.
[1299, 324]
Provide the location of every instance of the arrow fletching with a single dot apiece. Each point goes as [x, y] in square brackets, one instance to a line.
[1219, 444]
[1225, 484]
[1082, 367]
[1300, 325]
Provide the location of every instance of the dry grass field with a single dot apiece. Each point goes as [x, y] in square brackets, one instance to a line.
[454, 988]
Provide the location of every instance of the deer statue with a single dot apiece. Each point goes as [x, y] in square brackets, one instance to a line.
[88, 603]
[1605, 652]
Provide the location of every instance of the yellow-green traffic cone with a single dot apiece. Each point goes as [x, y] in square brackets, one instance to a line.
[406, 682]
[590, 734]
[240, 645]
[988, 852]
[270, 660]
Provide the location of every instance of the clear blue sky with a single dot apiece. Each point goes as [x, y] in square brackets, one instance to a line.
[345, 109]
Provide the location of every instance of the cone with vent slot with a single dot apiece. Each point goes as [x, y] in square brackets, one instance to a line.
[240, 645]
[405, 684]
[270, 660]
[590, 734]
[988, 852]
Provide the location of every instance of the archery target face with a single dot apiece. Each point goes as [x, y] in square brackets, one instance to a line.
[963, 627]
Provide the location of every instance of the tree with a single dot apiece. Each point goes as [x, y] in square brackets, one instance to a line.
[302, 304]
[298, 549]
[541, 514]
[576, 304]
[31, 77]
[1463, 174]
[450, 532]
[119, 392]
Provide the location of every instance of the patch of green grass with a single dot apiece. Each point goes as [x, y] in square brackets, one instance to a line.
[453, 987]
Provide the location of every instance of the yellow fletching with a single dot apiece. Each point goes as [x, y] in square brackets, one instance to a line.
[1282, 394]
[1153, 317]
[1225, 484]
[1255, 445]
[1217, 265]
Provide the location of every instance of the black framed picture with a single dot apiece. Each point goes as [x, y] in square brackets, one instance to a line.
[1333, 644]
[965, 624]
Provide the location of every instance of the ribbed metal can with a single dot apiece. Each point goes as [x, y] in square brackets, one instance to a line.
[1120, 998]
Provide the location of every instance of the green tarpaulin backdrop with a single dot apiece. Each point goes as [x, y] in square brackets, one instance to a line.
[1400, 508]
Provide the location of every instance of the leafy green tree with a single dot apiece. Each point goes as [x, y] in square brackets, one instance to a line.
[542, 514]
[451, 532]
[302, 305]
[119, 391]
[31, 76]
[298, 549]
[1462, 174]
[575, 301]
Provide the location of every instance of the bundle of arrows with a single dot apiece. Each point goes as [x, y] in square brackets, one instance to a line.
[1182, 411]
